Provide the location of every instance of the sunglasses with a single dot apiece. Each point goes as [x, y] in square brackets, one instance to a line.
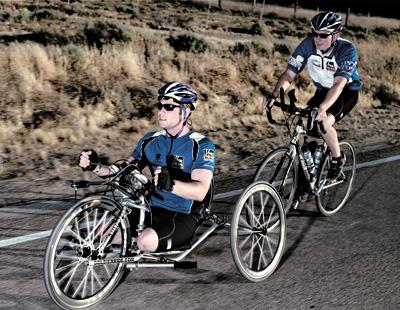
[167, 106]
[321, 35]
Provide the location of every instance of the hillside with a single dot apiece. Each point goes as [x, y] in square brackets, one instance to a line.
[80, 74]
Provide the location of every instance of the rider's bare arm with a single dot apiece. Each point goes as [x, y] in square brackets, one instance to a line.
[196, 189]
[284, 81]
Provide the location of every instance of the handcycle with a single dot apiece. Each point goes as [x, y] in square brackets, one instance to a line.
[83, 265]
[299, 170]
[257, 240]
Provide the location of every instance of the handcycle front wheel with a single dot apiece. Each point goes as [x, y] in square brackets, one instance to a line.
[79, 239]
[258, 231]
[279, 168]
[332, 196]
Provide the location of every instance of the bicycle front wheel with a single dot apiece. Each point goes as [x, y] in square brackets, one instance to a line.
[332, 196]
[85, 235]
[258, 231]
[280, 169]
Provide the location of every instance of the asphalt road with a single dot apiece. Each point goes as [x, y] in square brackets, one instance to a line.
[348, 261]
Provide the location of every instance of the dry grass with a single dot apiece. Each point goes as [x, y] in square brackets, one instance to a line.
[56, 99]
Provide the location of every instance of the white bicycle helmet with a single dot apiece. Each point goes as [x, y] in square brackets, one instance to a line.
[328, 22]
[180, 93]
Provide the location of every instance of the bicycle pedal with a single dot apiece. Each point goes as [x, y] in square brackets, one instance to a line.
[185, 265]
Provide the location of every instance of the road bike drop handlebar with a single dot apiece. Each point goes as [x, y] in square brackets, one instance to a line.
[292, 109]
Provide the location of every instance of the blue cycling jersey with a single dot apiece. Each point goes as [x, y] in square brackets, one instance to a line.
[186, 153]
[340, 60]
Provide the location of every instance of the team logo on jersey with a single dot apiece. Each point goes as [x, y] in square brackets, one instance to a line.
[330, 66]
[296, 62]
[208, 155]
[178, 162]
[347, 66]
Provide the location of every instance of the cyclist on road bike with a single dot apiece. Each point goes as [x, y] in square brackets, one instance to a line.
[182, 162]
[331, 62]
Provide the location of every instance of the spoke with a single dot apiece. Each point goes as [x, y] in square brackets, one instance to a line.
[77, 236]
[101, 222]
[262, 256]
[241, 245]
[66, 255]
[251, 249]
[69, 274]
[107, 271]
[97, 278]
[82, 284]
[271, 214]
[61, 269]
[244, 223]
[270, 243]
[251, 213]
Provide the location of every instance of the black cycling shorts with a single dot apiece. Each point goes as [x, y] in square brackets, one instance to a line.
[174, 229]
[342, 106]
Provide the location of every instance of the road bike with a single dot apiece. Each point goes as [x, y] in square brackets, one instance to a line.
[287, 176]
[299, 170]
[92, 247]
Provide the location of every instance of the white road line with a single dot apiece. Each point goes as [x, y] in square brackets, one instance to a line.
[12, 241]
[236, 192]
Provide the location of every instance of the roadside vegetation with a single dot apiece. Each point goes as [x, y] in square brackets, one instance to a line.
[79, 74]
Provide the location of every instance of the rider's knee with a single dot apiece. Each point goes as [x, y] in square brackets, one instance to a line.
[148, 240]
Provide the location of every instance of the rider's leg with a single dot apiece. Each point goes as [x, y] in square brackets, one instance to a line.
[330, 137]
[148, 240]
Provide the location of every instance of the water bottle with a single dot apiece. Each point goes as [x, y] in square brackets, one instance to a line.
[319, 152]
[309, 160]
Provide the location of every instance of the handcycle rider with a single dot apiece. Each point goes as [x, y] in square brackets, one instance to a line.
[331, 62]
[182, 162]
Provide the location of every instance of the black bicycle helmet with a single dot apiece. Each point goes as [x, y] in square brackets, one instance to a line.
[180, 93]
[328, 22]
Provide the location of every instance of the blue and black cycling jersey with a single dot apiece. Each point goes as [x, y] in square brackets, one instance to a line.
[340, 60]
[184, 154]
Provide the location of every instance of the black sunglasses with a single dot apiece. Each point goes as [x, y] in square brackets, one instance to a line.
[167, 106]
[321, 35]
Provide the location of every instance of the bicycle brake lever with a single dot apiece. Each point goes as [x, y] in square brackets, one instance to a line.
[80, 184]
[269, 116]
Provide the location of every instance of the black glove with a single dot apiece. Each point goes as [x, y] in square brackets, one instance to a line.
[93, 160]
[165, 182]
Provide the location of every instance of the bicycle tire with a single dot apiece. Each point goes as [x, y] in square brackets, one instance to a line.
[75, 241]
[280, 159]
[258, 231]
[333, 196]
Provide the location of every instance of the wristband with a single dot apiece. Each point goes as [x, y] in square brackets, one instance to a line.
[97, 168]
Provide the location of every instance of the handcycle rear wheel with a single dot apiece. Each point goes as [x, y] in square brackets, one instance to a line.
[258, 231]
[332, 196]
[79, 239]
[280, 169]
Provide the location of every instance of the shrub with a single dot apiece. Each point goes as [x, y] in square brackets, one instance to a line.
[188, 43]
[386, 95]
[102, 33]
[281, 48]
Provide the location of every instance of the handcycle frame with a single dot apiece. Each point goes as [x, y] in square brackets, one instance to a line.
[84, 240]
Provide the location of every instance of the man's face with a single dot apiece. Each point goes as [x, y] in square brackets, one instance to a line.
[323, 40]
[169, 114]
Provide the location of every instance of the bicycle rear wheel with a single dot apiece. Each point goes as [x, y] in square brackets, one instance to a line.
[280, 169]
[258, 231]
[332, 196]
[72, 278]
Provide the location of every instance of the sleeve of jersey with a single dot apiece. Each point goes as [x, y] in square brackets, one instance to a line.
[299, 57]
[206, 158]
[137, 153]
[347, 63]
